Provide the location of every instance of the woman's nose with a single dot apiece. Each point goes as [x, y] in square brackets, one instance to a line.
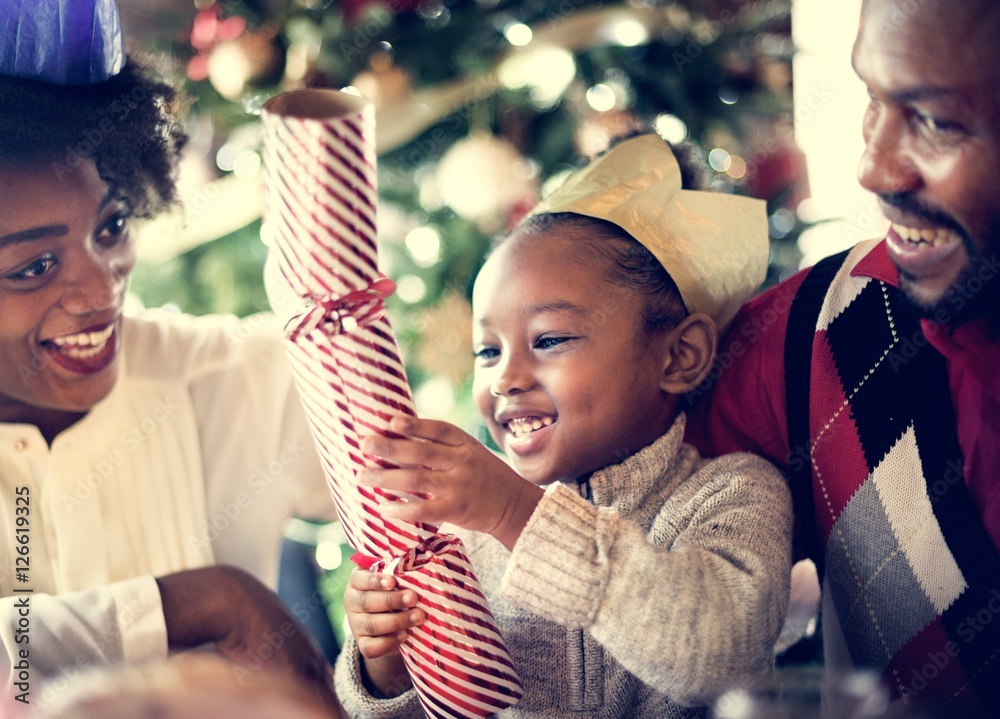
[95, 285]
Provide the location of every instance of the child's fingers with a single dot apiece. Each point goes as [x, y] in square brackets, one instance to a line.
[412, 481]
[387, 624]
[378, 602]
[368, 581]
[372, 647]
[428, 429]
[369, 601]
[434, 511]
[408, 452]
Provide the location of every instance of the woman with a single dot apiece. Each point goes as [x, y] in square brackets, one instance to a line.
[139, 456]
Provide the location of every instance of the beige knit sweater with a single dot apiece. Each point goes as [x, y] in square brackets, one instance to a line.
[666, 588]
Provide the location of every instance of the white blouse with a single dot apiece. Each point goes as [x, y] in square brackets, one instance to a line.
[197, 456]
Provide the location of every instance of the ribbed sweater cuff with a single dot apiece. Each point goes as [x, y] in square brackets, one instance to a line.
[357, 702]
[555, 570]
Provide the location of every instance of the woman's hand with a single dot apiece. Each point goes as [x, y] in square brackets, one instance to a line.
[379, 616]
[248, 623]
[445, 475]
[193, 685]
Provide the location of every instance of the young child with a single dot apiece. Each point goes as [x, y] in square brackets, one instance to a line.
[629, 577]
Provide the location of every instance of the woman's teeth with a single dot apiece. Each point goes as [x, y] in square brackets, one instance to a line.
[526, 425]
[927, 236]
[84, 345]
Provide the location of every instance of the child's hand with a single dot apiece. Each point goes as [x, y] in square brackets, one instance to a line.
[449, 477]
[379, 616]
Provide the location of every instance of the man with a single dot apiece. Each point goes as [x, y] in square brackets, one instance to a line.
[871, 377]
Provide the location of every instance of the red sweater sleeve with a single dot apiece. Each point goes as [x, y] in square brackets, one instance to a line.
[741, 404]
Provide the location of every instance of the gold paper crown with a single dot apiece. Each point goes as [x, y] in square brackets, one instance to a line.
[713, 245]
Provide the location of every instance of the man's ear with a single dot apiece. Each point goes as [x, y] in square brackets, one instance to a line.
[689, 353]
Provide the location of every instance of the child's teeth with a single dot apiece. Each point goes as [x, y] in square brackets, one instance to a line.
[522, 426]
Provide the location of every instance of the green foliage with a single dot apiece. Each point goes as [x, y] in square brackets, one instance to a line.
[705, 68]
[702, 67]
[221, 276]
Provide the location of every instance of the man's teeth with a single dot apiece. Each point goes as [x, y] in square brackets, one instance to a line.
[927, 236]
[526, 425]
[85, 344]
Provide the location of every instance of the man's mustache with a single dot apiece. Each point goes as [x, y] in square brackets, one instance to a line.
[909, 204]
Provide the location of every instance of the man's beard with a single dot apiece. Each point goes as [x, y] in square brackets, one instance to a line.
[974, 295]
[976, 292]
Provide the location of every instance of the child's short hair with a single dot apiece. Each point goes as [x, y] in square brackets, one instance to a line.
[626, 264]
[126, 125]
[629, 263]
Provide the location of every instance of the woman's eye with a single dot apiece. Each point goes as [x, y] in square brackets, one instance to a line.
[116, 226]
[37, 268]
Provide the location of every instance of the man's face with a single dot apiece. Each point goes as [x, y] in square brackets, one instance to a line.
[932, 134]
[65, 256]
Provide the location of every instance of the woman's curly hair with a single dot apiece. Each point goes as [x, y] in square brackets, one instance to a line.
[126, 125]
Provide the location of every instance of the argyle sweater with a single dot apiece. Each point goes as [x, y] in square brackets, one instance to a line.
[912, 580]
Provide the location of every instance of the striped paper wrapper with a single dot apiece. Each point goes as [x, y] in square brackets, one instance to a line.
[320, 218]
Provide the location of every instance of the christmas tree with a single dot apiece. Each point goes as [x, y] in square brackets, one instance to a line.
[480, 103]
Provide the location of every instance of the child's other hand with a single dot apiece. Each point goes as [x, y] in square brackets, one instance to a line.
[446, 475]
[379, 616]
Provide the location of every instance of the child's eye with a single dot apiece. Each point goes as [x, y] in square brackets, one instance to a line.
[486, 353]
[547, 342]
[34, 269]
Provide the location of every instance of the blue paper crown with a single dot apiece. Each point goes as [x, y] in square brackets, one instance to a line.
[67, 42]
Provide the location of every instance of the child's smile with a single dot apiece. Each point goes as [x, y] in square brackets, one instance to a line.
[527, 435]
[523, 426]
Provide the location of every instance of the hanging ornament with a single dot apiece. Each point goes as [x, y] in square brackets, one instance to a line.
[776, 167]
[385, 83]
[208, 29]
[481, 177]
[775, 74]
[253, 57]
[596, 131]
[355, 10]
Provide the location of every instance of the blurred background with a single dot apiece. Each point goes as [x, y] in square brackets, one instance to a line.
[482, 104]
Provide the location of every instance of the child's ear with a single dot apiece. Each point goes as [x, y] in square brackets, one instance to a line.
[690, 350]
